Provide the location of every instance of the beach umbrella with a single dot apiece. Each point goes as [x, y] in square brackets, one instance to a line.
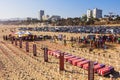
[19, 34]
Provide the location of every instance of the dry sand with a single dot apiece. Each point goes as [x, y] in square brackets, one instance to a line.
[16, 64]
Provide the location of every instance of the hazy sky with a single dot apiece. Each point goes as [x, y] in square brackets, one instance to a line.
[64, 8]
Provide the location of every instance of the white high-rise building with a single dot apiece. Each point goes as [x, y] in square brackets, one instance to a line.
[97, 13]
[41, 13]
[89, 13]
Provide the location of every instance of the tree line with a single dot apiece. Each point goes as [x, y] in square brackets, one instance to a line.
[77, 21]
[82, 21]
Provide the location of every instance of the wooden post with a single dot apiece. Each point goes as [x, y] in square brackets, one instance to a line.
[16, 42]
[45, 54]
[6, 38]
[20, 43]
[12, 40]
[27, 46]
[91, 71]
[61, 68]
[34, 50]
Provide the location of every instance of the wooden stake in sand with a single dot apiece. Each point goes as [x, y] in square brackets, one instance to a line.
[34, 50]
[61, 62]
[27, 46]
[15, 41]
[20, 43]
[12, 40]
[91, 71]
[6, 38]
[45, 54]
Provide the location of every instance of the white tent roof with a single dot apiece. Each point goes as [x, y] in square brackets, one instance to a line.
[20, 32]
[29, 33]
[23, 32]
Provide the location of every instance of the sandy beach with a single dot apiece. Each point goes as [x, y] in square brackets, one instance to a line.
[17, 64]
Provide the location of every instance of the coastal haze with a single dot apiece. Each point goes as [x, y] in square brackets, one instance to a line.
[86, 32]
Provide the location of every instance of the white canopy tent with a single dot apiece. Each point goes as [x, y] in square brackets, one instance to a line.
[22, 33]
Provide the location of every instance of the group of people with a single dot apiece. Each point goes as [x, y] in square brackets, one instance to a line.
[96, 41]
[28, 38]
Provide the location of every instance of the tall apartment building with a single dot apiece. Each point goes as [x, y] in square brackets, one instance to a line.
[89, 13]
[97, 13]
[41, 13]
